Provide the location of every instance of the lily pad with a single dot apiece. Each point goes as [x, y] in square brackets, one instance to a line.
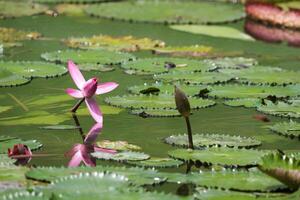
[184, 51]
[157, 163]
[5, 160]
[194, 77]
[169, 11]
[88, 57]
[253, 91]
[281, 109]
[9, 142]
[123, 43]
[209, 140]
[289, 129]
[154, 102]
[70, 9]
[70, 1]
[239, 180]
[156, 112]
[214, 31]
[246, 102]
[160, 65]
[118, 145]
[8, 78]
[60, 127]
[121, 156]
[231, 62]
[19, 9]
[227, 157]
[136, 175]
[24, 195]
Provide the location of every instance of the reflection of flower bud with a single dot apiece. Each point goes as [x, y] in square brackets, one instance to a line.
[182, 103]
[21, 153]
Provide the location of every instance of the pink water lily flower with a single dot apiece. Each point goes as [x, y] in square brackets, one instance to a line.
[81, 153]
[87, 90]
[21, 153]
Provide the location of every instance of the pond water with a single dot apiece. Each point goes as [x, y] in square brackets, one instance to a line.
[118, 123]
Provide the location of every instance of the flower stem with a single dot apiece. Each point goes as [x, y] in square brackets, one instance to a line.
[189, 130]
[74, 109]
[78, 125]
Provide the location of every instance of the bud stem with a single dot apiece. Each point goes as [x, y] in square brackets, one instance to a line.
[74, 109]
[189, 130]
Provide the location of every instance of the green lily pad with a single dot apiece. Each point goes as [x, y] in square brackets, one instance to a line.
[253, 91]
[136, 175]
[289, 129]
[156, 112]
[194, 77]
[154, 102]
[157, 163]
[93, 58]
[123, 43]
[209, 140]
[158, 65]
[8, 78]
[214, 31]
[19, 9]
[264, 75]
[228, 157]
[281, 109]
[118, 145]
[282, 167]
[5, 160]
[231, 62]
[9, 142]
[70, 9]
[24, 195]
[121, 156]
[12, 173]
[239, 180]
[96, 67]
[246, 102]
[184, 51]
[60, 127]
[70, 1]
[169, 11]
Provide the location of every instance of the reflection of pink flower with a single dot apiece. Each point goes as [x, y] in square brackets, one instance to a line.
[21, 153]
[87, 89]
[82, 152]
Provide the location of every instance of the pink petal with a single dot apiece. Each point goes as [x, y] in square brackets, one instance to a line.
[76, 74]
[94, 110]
[75, 160]
[93, 133]
[74, 93]
[90, 87]
[103, 88]
[99, 149]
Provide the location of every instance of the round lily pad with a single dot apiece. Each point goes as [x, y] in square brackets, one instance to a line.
[228, 157]
[246, 102]
[5, 160]
[157, 163]
[60, 127]
[169, 11]
[281, 109]
[165, 64]
[232, 62]
[9, 142]
[194, 77]
[24, 195]
[123, 43]
[184, 51]
[154, 102]
[19, 9]
[289, 129]
[209, 140]
[121, 156]
[118, 145]
[8, 78]
[88, 57]
[156, 112]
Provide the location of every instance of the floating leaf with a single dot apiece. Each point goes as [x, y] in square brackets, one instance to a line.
[60, 127]
[71, 1]
[124, 43]
[155, 112]
[228, 157]
[70, 9]
[290, 129]
[214, 31]
[169, 11]
[93, 58]
[121, 156]
[231, 62]
[184, 51]
[154, 102]
[194, 78]
[24, 195]
[9, 142]
[253, 91]
[158, 65]
[209, 140]
[12, 173]
[246, 102]
[241, 180]
[281, 109]
[8, 78]
[19, 9]
[5, 160]
[136, 175]
[96, 67]
[283, 168]
[118, 145]
[157, 162]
